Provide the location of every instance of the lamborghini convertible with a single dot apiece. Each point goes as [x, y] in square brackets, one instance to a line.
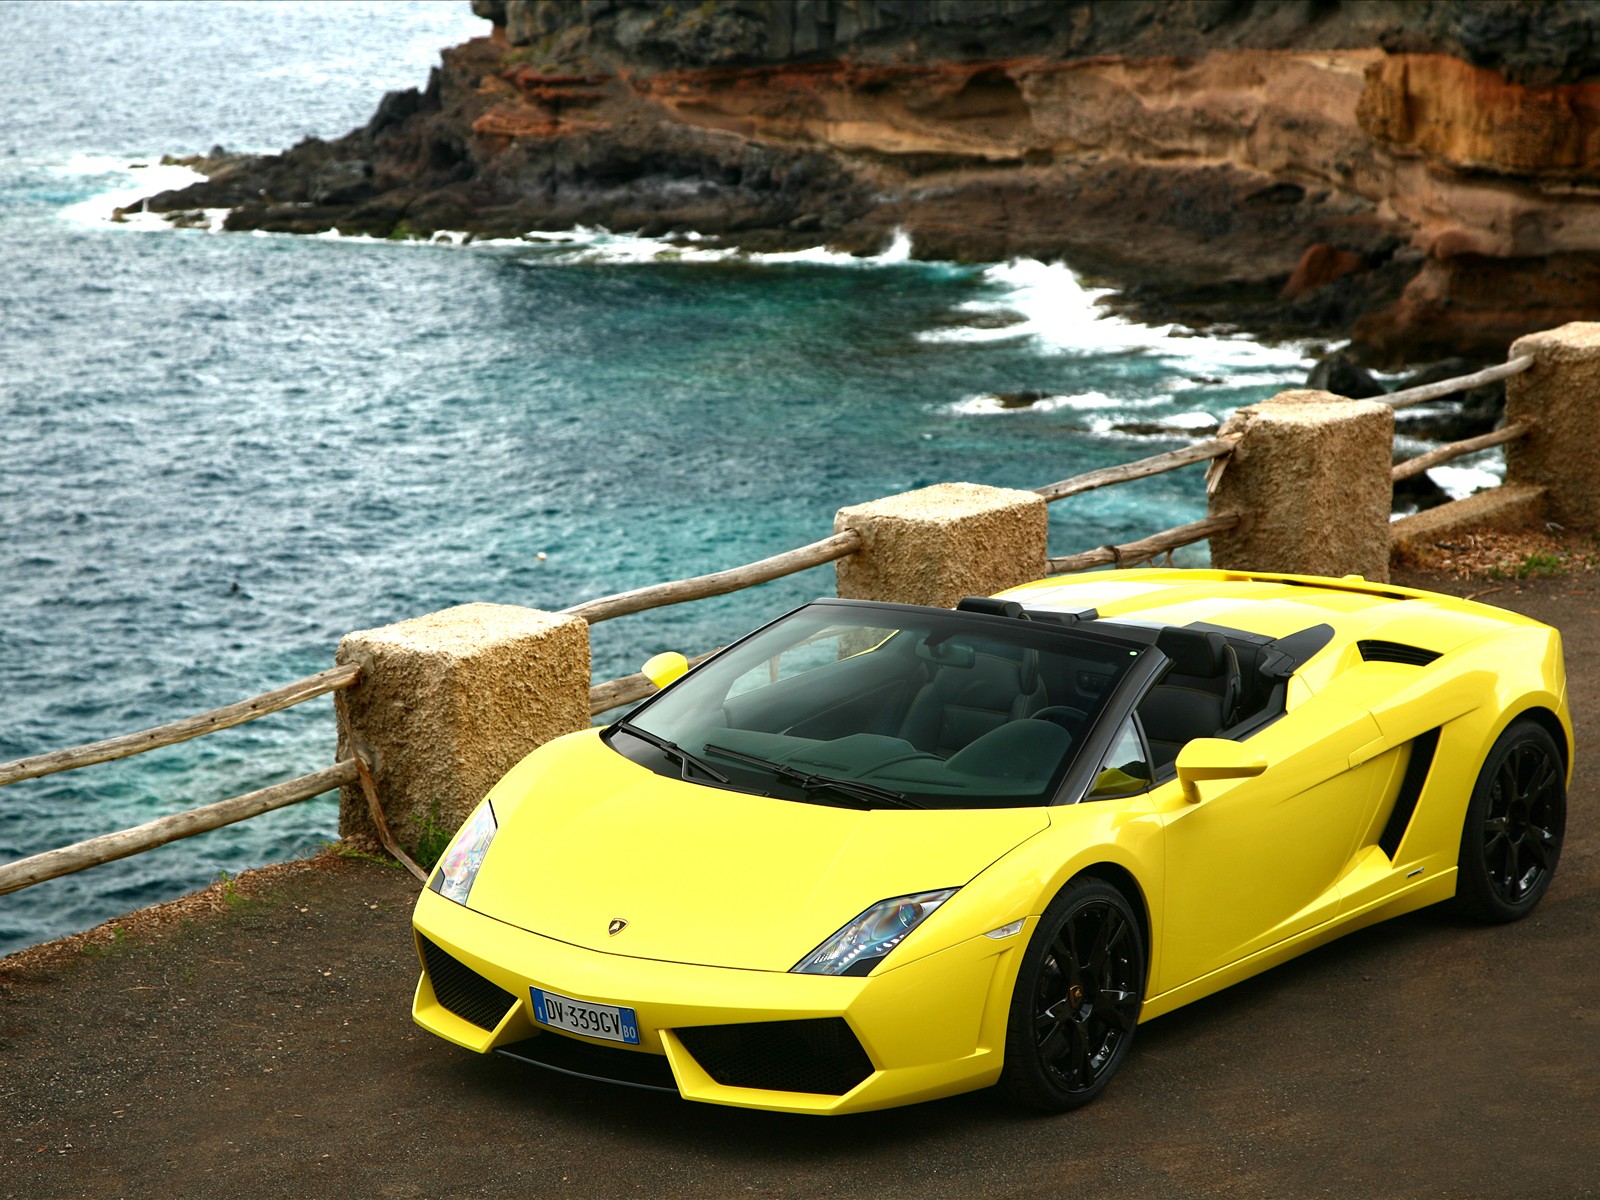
[873, 854]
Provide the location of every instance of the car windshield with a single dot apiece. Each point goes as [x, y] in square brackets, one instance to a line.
[877, 706]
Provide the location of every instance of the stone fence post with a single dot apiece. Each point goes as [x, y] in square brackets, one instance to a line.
[1310, 476]
[940, 543]
[1560, 394]
[448, 702]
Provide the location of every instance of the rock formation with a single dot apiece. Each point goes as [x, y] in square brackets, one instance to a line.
[1418, 173]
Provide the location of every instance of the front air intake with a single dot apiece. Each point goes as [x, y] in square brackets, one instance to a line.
[462, 990]
[819, 1056]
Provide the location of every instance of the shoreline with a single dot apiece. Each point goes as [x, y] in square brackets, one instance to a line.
[1260, 178]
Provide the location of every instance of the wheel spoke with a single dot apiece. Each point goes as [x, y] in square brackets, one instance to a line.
[1069, 1061]
[1067, 956]
[1546, 779]
[1509, 874]
[1116, 1008]
[1053, 978]
[1505, 786]
[1523, 765]
[1111, 932]
[1055, 1043]
[1538, 844]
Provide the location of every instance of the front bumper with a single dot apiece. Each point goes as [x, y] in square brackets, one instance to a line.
[931, 1028]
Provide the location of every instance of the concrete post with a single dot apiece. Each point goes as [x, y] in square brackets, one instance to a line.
[940, 543]
[448, 702]
[1561, 395]
[1311, 478]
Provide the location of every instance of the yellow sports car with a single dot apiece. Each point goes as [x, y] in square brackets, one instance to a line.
[877, 853]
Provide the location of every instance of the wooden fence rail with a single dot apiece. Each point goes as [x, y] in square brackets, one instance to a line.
[130, 744]
[719, 583]
[1154, 465]
[1144, 549]
[1462, 383]
[51, 864]
[1424, 462]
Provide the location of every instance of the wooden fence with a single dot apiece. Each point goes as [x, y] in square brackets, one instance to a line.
[1413, 467]
[52, 864]
[628, 689]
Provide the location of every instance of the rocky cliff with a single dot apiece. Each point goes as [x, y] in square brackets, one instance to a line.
[1421, 174]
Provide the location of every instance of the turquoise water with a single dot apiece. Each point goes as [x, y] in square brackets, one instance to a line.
[224, 452]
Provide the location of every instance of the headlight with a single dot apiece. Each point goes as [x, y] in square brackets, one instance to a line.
[860, 945]
[459, 864]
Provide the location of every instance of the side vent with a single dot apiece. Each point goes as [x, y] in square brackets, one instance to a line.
[1417, 768]
[1395, 652]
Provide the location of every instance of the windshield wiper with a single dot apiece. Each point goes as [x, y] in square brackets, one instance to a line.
[806, 780]
[672, 750]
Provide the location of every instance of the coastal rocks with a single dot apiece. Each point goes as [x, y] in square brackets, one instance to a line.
[1319, 266]
[1462, 416]
[1340, 374]
[1471, 117]
[1423, 177]
[217, 161]
[1026, 398]
[1450, 419]
[1475, 305]
[342, 181]
[1418, 493]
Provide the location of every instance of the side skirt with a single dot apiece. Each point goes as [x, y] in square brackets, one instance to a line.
[1440, 886]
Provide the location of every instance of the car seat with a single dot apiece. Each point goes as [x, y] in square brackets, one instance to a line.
[961, 703]
[1197, 697]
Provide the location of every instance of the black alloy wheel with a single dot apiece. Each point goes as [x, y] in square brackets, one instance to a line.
[1511, 839]
[1077, 999]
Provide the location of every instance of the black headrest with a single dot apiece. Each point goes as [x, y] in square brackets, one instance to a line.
[1193, 651]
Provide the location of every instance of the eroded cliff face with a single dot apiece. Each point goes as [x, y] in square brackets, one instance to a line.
[1423, 175]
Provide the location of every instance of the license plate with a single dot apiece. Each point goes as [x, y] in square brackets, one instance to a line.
[579, 1016]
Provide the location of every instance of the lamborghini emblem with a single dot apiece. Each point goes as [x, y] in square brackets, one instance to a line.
[617, 926]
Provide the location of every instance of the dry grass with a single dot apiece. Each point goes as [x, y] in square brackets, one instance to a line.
[1522, 554]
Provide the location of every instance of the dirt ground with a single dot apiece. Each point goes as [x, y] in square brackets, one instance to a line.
[256, 1041]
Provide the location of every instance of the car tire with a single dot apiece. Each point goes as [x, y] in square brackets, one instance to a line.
[1076, 1000]
[1516, 818]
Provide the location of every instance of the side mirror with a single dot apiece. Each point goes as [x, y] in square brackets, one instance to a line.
[664, 668]
[1215, 758]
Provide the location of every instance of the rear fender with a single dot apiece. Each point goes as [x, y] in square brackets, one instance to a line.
[1487, 685]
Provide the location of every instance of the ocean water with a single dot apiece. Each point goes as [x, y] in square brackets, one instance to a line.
[223, 452]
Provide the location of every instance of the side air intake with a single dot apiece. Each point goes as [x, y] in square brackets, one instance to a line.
[1418, 765]
[1373, 650]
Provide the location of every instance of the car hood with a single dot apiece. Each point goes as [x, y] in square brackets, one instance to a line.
[705, 875]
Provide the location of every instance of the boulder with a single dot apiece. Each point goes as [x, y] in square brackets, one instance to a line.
[1340, 374]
